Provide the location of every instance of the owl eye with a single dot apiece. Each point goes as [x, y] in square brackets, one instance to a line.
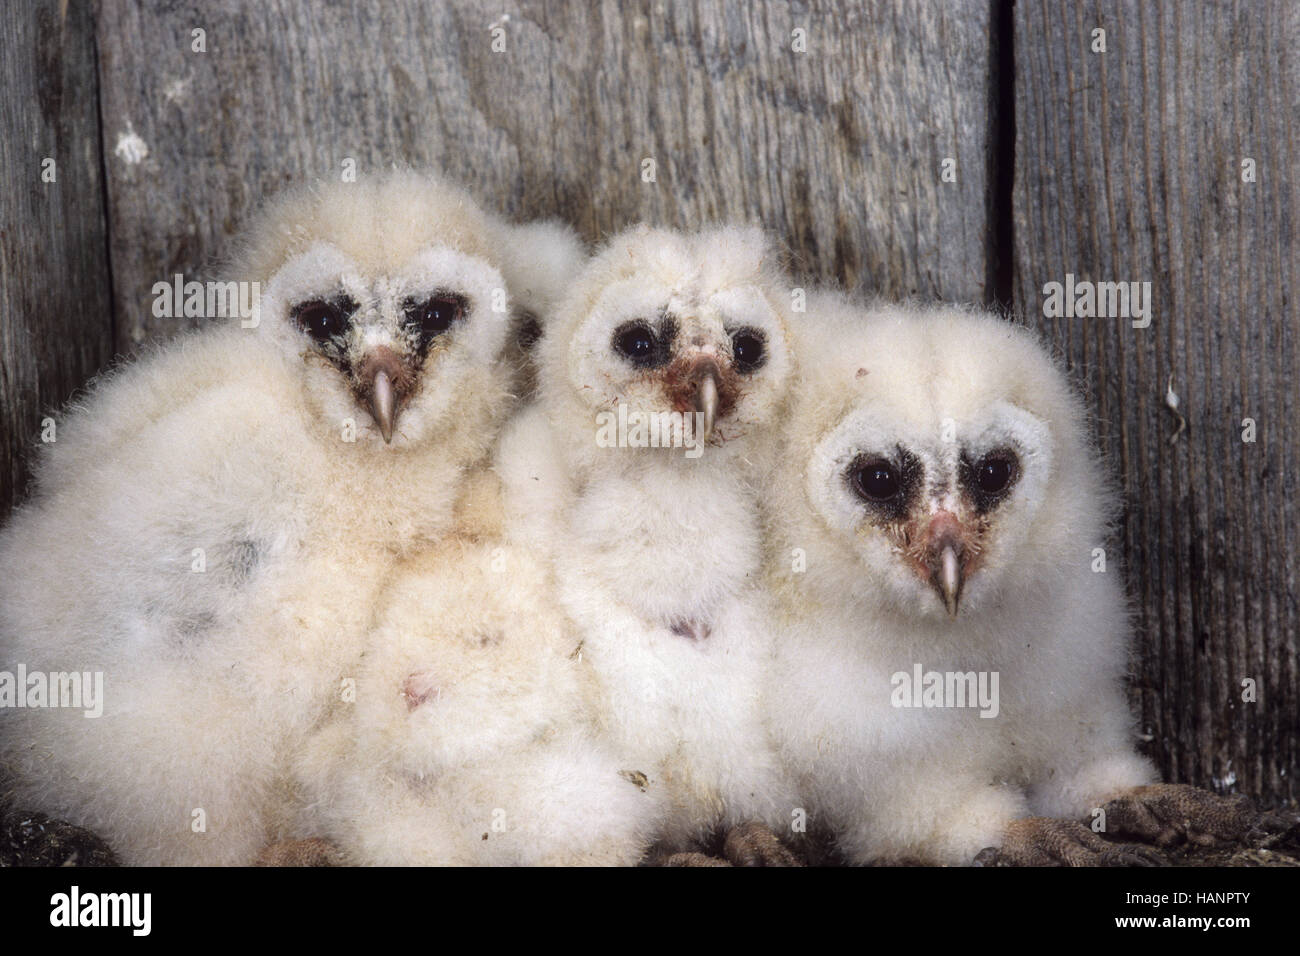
[324, 319]
[989, 479]
[748, 349]
[637, 343]
[994, 474]
[436, 314]
[877, 480]
[888, 485]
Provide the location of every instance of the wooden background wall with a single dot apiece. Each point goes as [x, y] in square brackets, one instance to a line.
[1122, 165]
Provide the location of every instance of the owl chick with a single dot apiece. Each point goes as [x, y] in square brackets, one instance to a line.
[950, 655]
[541, 260]
[470, 740]
[215, 521]
[660, 378]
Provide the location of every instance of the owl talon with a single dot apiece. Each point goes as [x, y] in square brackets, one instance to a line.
[1133, 854]
[1040, 841]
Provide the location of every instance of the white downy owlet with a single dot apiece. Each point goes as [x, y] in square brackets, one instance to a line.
[216, 520]
[949, 665]
[660, 379]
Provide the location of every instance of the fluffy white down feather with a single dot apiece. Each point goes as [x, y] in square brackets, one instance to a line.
[938, 785]
[232, 441]
[647, 544]
[470, 741]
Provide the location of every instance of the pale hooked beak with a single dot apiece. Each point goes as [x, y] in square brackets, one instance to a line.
[945, 550]
[706, 402]
[948, 578]
[383, 404]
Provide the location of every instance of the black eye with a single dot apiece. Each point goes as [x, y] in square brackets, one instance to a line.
[637, 343]
[994, 474]
[748, 349]
[877, 480]
[989, 479]
[436, 314]
[322, 319]
[887, 485]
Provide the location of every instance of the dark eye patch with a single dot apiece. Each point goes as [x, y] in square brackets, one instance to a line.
[435, 315]
[643, 345]
[887, 484]
[325, 319]
[989, 480]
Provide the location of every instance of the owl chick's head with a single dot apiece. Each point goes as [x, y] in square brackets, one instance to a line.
[944, 453]
[542, 260]
[388, 295]
[673, 330]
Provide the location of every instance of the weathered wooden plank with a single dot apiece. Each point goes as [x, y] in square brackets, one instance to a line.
[837, 148]
[56, 325]
[1129, 167]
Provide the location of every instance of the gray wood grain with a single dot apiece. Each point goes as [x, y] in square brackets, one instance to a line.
[1129, 168]
[838, 148]
[56, 324]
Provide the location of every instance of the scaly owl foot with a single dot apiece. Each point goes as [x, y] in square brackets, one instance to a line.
[692, 858]
[754, 844]
[1040, 841]
[1170, 813]
[313, 852]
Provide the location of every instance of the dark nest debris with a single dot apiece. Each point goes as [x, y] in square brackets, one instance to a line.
[33, 839]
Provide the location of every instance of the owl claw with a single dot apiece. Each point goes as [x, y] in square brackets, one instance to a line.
[1040, 841]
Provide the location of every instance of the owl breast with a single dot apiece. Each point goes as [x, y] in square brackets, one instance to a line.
[670, 547]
